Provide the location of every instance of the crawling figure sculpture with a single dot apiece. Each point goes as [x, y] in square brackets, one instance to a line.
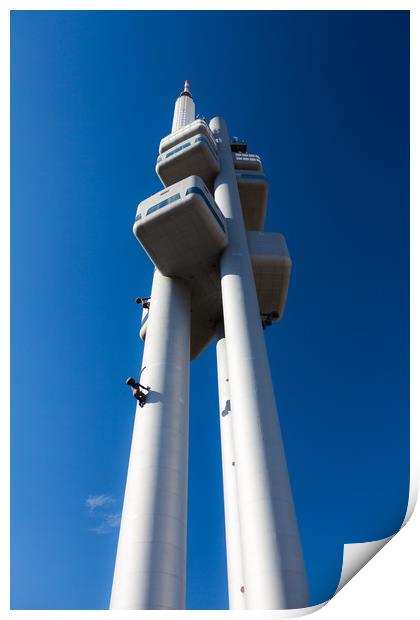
[137, 390]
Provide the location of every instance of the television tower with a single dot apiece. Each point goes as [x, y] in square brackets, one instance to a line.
[218, 275]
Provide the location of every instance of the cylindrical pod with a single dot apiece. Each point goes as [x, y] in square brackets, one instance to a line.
[150, 568]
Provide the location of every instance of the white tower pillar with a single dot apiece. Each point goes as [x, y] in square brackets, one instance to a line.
[273, 566]
[150, 568]
[232, 521]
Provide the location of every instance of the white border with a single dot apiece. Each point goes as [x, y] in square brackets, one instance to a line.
[386, 587]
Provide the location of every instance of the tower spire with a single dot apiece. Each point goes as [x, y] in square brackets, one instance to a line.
[184, 112]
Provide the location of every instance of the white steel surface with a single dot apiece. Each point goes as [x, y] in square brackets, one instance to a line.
[151, 557]
[273, 566]
[232, 521]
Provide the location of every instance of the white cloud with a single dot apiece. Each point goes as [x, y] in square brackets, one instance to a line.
[98, 506]
[98, 501]
[109, 522]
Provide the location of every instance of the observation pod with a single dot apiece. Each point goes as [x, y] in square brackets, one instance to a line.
[190, 150]
[271, 265]
[246, 161]
[181, 228]
[198, 126]
[253, 190]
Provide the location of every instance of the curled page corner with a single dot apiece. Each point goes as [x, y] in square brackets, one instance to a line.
[355, 557]
[412, 498]
[297, 613]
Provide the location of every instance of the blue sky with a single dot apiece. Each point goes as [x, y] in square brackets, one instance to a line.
[323, 97]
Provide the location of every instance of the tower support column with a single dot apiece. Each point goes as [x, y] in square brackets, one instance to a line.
[272, 560]
[232, 521]
[150, 568]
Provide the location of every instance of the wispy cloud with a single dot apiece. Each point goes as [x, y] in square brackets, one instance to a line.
[109, 522]
[98, 501]
[97, 506]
